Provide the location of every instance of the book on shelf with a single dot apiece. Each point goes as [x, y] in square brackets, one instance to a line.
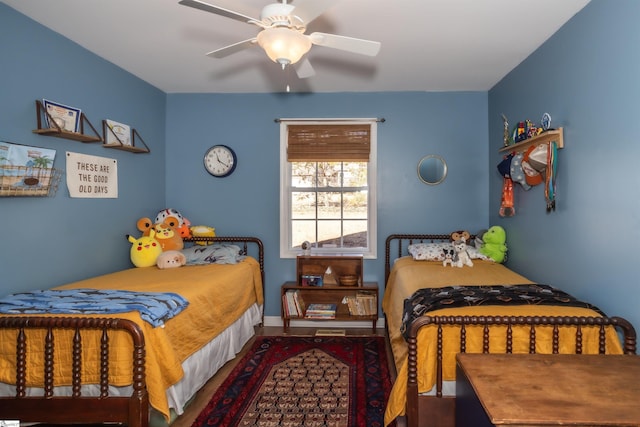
[321, 308]
[320, 315]
[321, 311]
[293, 304]
[300, 305]
[286, 305]
[362, 304]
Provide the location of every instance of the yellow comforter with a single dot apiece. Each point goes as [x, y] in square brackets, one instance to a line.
[218, 295]
[407, 276]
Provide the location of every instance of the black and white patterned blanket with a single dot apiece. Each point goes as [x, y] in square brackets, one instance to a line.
[430, 299]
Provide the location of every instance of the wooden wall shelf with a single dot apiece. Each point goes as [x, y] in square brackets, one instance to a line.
[57, 131]
[545, 137]
[119, 145]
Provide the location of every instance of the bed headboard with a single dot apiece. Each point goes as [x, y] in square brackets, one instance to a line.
[251, 246]
[396, 246]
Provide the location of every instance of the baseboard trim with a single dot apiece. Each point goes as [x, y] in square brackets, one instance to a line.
[332, 324]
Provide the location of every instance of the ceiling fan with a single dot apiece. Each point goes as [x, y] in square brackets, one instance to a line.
[282, 36]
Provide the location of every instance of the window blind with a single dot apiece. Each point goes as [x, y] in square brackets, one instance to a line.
[328, 142]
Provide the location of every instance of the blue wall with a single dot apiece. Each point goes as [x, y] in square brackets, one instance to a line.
[173, 175]
[586, 76]
[51, 241]
[452, 125]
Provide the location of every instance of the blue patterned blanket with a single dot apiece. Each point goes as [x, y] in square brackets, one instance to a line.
[154, 307]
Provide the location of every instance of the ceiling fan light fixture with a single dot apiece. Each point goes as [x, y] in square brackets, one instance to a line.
[284, 45]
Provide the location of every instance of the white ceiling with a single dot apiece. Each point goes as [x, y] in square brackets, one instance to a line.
[427, 45]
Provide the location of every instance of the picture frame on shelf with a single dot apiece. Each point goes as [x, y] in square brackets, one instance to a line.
[120, 133]
[61, 117]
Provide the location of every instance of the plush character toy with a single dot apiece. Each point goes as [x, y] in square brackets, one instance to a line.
[448, 257]
[183, 223]
[461, 256]
[171, 259]
[145, 250]
[168, 236]
[165, 233]
[494, 244]
[202, 231]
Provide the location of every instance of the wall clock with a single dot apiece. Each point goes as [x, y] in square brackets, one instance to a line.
[220, 161]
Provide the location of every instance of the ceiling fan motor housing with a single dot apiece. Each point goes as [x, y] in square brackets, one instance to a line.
[276, 14]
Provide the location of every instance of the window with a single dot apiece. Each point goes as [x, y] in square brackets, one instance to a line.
[327, 186]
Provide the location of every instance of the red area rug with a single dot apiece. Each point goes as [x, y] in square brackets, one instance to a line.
[304, 381]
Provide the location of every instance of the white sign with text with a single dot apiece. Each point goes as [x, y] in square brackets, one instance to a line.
[92, 176]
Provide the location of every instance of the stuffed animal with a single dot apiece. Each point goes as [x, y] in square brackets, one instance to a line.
[166, 233]
[171, 259]
[477, 242]
[461, 256]
[202, 231]
[145, 250]
[183, 223]
[494, 244]
[448, 257]
[168, 236]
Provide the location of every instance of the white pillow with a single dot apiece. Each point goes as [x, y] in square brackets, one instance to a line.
[474, 253]
[428, 251]
[217, 253]
[434, 251]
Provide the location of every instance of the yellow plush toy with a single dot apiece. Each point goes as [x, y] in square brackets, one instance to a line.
[202, 231]
[145, 250]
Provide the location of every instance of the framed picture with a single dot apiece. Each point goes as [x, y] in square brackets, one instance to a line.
[65, 117]
[118, 133]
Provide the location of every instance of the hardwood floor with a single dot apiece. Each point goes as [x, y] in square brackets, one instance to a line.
[204, 395]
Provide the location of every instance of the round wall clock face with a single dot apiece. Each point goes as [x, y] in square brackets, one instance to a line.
[220, 161]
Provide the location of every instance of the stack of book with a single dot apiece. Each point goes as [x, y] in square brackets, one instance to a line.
[362, 304]
[293, 304]
[321, 311]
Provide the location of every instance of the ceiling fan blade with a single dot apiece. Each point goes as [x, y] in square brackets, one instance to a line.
[308, 10]
[197, 4]
[231, 49]
[304, 69]
[350, 44]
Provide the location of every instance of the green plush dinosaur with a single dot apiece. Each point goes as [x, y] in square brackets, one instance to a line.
[494, 244]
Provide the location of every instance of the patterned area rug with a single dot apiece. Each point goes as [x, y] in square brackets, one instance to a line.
[304, 381]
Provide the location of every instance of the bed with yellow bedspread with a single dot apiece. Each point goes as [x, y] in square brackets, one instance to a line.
[406, 276]
[217, 294]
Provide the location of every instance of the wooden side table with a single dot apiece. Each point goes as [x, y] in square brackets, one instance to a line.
[542, 390]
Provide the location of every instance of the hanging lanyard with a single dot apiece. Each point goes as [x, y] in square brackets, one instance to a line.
[550, 180]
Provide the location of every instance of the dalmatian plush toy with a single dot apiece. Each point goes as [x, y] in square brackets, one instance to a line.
[448, 256]
[461, 257]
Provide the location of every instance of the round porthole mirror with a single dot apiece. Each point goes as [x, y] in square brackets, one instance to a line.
[432, 169]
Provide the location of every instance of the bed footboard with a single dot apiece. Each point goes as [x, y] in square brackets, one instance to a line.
[132, 410]
[440, 411]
